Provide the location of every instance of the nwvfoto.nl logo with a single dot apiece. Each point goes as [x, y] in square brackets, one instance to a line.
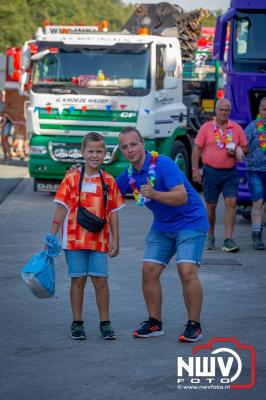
[222, 363]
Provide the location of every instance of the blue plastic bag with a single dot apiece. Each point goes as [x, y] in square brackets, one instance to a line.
[53, 245]
[39, 275]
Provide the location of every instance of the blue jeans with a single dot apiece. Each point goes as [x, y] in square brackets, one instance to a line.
[188, 245]
[86, 262]
[257, 185]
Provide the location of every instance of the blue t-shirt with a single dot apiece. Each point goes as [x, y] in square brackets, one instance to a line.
[191, 215]
[256, 157]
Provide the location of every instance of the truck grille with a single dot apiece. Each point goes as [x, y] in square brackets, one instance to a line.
[70, 152]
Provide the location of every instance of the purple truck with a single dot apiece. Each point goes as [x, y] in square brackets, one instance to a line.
[240, 46]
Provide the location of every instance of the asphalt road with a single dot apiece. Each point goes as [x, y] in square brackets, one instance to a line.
[38, 359]
[10, 176]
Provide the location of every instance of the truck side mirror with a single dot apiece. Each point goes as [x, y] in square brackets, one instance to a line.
[13, 64]
[217, 39]
[170, 82]
[26, 69]
[220, 34]
[169, 59]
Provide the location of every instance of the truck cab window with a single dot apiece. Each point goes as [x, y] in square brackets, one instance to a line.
[248, 42]
[242, 36]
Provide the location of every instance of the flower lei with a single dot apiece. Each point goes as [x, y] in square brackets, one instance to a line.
[222, 141]
[261, 133]
[140, 200]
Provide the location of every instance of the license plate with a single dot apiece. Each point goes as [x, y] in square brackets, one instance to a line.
[207, 105]
[46, 187]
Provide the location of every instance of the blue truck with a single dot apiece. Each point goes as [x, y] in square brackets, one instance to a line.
[239, 45]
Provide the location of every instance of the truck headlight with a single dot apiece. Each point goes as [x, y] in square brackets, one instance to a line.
[38, 150]
[60, 153]
[74, 153]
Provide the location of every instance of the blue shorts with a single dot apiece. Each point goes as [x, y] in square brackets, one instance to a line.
[216, 181]
[188, 245]
[86, 262]
[6, 129]
[257, 185]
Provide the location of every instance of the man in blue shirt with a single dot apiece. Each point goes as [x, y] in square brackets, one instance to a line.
[256, 170]
[179, 227]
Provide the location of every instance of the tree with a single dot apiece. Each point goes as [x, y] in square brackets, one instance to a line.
[20, 18]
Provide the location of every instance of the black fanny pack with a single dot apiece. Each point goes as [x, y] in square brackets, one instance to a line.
[85, 218]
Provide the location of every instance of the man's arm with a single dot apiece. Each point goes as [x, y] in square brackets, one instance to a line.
[176, 196]
[196, 155]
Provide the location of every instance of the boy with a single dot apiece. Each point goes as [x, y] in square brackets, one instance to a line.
[85, 251]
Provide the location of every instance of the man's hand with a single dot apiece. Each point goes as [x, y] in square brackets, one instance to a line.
[113, 248]
[239, 153]
[231, 152]
[147, 190]
[73, 168]
[196, 175]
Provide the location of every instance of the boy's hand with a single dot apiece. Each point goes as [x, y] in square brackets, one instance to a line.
[73, 168]
[113, 248]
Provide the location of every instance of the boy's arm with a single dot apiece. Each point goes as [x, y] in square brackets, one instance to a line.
[59, 216]
[114, 227]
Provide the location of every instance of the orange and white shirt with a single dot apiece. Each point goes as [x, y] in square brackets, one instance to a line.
[75, 237]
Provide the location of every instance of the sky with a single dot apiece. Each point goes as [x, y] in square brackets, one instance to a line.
[190, 4]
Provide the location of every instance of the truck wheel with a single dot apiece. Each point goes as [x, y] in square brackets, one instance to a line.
[180, 156]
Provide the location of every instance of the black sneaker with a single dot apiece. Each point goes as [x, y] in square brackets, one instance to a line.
[192, 332]
[77, 330]
[107, 332]
[230, 246]
[149, 328]
[257, 240]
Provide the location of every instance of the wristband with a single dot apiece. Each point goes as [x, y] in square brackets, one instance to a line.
[55, 222]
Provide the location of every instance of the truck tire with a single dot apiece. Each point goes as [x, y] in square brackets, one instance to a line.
[180, 156]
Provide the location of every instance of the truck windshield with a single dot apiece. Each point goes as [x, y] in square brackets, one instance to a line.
[113, 70]
[249, 32]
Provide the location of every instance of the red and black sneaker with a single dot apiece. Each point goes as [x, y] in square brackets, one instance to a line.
[192, 332]
[149, 328]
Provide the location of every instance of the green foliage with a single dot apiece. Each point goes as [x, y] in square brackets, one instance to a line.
[211, 19]
[19, 19]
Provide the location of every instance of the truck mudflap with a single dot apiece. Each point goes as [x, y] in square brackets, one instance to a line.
[43, 185]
